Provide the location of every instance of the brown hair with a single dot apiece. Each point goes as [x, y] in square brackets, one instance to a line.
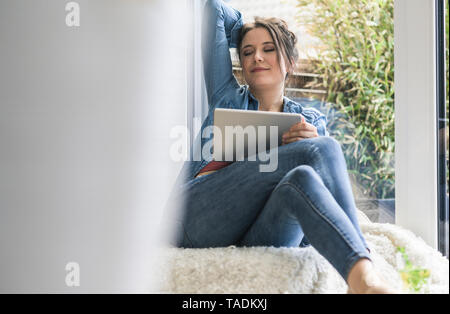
[284, 39]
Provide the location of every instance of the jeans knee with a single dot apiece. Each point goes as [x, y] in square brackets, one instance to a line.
[326, 147]
[326, 143]
[300, 175]
[322, 145]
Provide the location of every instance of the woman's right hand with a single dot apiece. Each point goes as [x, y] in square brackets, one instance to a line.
[298, 132]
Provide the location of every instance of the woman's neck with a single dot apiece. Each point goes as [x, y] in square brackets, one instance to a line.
[269, 100]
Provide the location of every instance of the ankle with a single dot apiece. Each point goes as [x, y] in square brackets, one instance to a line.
[362, 276]
[366, 280]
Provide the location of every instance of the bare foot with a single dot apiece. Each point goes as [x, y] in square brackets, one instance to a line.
[372, 283]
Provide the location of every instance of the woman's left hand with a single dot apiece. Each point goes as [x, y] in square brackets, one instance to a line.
[299, 131]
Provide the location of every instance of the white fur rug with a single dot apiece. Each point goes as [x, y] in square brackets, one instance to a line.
[295, 270]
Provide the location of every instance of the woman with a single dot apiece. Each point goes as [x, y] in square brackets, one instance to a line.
[308, 199]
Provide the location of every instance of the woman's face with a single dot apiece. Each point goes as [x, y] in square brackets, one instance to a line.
[259, 60]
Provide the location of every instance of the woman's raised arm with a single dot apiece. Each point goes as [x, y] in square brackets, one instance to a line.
[221, 28]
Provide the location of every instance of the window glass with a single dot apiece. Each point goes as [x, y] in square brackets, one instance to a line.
[346, 70]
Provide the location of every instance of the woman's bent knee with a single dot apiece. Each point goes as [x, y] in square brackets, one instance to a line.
[325, 142]
[316, 144]
[301, 175]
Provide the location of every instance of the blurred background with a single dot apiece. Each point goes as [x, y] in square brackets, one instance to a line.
[85, 118]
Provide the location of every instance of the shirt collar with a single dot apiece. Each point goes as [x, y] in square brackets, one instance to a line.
[292, 106]
[288, 105]
[251, 95]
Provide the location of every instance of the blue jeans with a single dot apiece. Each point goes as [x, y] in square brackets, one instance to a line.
[308, 195]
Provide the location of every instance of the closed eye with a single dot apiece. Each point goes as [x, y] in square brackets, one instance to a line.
[247, 53]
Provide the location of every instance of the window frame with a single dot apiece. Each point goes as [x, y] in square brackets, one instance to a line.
[415, 67]
[197, 108]
[416, 153]
[442, 123]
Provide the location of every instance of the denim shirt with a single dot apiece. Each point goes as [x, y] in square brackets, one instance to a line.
[220, 32]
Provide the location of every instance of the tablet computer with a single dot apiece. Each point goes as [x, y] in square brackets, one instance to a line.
[242, 133]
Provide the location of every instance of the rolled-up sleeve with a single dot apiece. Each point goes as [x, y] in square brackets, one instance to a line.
[321, 124]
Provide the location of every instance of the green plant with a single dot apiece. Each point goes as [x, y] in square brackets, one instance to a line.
[413, 278]
[356, 63]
